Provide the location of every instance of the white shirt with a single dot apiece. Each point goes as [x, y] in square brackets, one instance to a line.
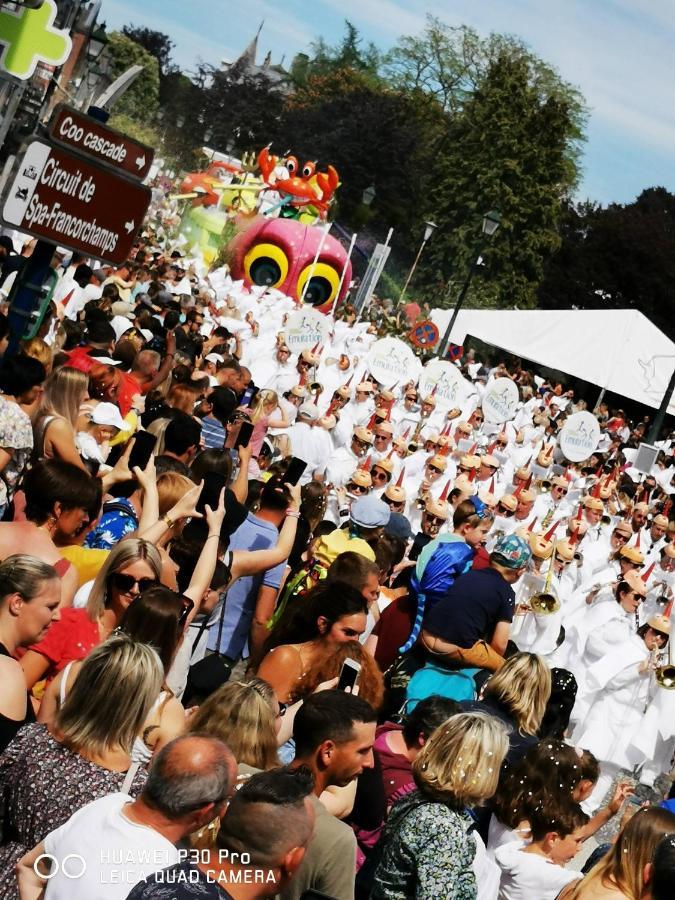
[117, 852]
[528, 875]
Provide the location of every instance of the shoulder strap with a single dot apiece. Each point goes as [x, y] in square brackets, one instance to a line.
[118, 506]
[204, 624]
[64, 683]
[129, 777]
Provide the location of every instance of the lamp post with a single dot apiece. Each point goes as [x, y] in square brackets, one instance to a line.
[429, 228]
[491, 222]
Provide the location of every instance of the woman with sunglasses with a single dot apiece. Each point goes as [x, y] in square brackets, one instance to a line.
[157, 617]
[133, 566]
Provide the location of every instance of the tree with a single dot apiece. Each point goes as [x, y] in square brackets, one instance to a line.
[156, 43]
[140, 101]
[618, 257]
[347, 55]
[510, 148]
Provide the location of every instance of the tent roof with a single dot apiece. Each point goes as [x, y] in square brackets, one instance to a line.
[620, 350]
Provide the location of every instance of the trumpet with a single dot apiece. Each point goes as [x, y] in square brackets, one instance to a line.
[665, 675]
[544, 604]
[316, 388]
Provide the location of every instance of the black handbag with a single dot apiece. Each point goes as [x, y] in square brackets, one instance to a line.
[207, 675]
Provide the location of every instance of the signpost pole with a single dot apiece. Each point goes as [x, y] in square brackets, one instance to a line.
[25, 295]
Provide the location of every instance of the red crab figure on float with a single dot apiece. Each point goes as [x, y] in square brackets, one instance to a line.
[279, 253]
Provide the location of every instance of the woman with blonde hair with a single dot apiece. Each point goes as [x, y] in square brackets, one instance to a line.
[427, 849]
[517, 694]
[55, 424]
[245, 716]
[183, 397]
[47, 774]
[38, 349]
[132, 566]
[620, 875]
[262, 409]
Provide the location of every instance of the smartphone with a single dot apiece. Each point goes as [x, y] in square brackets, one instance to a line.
[295, 469]
[249, 395]
[210, 495]
[244, 435]
[144, 444]
[233, 428]
[349, 675]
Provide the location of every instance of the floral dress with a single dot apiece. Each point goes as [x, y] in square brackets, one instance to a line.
[42, 783]
[16, 437]
[427, 852]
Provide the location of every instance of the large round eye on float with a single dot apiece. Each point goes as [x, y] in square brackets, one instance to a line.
[266, 265]
[308, 169]
[291, 164]
[322, 286]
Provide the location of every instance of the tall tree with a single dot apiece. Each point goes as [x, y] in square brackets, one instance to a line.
[618, 257]
[156, 43]
[140, 101]
[349, 54]
[512, 148]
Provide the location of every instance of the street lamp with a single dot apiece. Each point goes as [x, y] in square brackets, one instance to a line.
[368, 195]
[491, 222]
[429, 228]
[97, 43]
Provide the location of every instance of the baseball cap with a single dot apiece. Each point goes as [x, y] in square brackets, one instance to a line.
[511, 551]
[369, 512]
[108, 414]
[398, 526]
[309, 411]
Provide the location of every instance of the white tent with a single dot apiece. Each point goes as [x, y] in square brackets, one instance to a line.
[619, 350]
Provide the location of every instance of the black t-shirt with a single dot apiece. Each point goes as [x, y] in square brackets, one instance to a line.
[180, 882]
[10, 727]
[471, 608]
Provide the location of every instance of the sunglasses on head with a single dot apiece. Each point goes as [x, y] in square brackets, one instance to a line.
[357, 489]
[506, 512]
[125, 583]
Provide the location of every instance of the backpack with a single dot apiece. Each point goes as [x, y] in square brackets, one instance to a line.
[455, 684]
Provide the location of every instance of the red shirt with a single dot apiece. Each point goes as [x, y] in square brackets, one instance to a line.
[71, 637]
[127, 391]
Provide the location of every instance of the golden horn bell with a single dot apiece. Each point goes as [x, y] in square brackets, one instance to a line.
[544, 604]
[665, 677]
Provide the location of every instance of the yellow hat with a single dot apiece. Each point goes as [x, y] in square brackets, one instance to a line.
[363, 434]
[635, 583]
[438, 461]
[641, 507]
[490, 460]
[453, 413]
[565, 550]
[540, 547]
[560, 481]
[386, 464]
[365, 387]
[509, 501]
[632, 554]
[309, 357]
[437, 508]
[594, 503]
[659, 623]
[668, 550]
[298, 390]
[362, 478]
[523, 473]
[429, 399]
[344, 392]
[396, 493]
[469, 461]
[327, 422]
[488, 498]
[660, 521]
[383, 428]
[387, 396]
[624, 528]
[464, 428]
[527, 496]
[463, 484]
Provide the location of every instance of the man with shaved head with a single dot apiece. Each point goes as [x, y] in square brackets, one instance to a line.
[118, 841]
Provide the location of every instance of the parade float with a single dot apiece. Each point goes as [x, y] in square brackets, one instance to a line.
[268, 219]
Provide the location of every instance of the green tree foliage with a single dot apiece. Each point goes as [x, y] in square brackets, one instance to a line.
[140, 101]
[619, 257]
[510, 148]
[156, 43]
[349, 54]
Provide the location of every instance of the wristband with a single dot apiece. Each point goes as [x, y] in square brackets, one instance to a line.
[213, 536]
[169, 521]
[292, 514]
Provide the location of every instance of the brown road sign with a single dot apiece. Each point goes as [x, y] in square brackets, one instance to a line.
[64, 198]
[71, 128]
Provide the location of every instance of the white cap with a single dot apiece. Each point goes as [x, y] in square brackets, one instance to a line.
[309, 411]
[214, 358]
[108, 414]
[120, 325]
[106, 360]
[147, 334]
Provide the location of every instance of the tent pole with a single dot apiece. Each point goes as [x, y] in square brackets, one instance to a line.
[599, 400]
[657, 424]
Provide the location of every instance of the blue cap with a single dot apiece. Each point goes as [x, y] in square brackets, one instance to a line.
[399, 527]
[369, 512]
[511, 551]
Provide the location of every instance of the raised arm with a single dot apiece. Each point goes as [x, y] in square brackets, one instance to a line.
[250, 562]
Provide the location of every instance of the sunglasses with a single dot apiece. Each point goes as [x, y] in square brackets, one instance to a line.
[411, 397]
[125, 583]
[506, 512]
[357, 489]
[380, 437]
[434, 520]
[477, 419]
[359, 442]
[436, 470]
[379, 475]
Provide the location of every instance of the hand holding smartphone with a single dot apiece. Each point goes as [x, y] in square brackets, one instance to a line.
[349, 675]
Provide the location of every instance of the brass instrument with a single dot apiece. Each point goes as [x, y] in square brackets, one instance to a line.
[544, 604]
[544, 485]
[665, 674]
[316, 388]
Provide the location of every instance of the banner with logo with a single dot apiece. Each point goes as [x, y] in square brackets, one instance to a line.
[391, 362]
[445, 381]
[580, 436]
[305, 328]
[500, 401]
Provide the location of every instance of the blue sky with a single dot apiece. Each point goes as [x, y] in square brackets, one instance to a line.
[618, 52]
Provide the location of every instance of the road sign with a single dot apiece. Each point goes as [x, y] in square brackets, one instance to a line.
[425, 334]
[61, 197]
[72, 128]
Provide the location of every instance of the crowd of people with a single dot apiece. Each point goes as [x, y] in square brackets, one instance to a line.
[270, 627]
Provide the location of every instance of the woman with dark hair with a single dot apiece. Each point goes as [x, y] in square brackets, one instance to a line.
[331, 614]
[20, 382]
[60, 500]
[157, 617]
